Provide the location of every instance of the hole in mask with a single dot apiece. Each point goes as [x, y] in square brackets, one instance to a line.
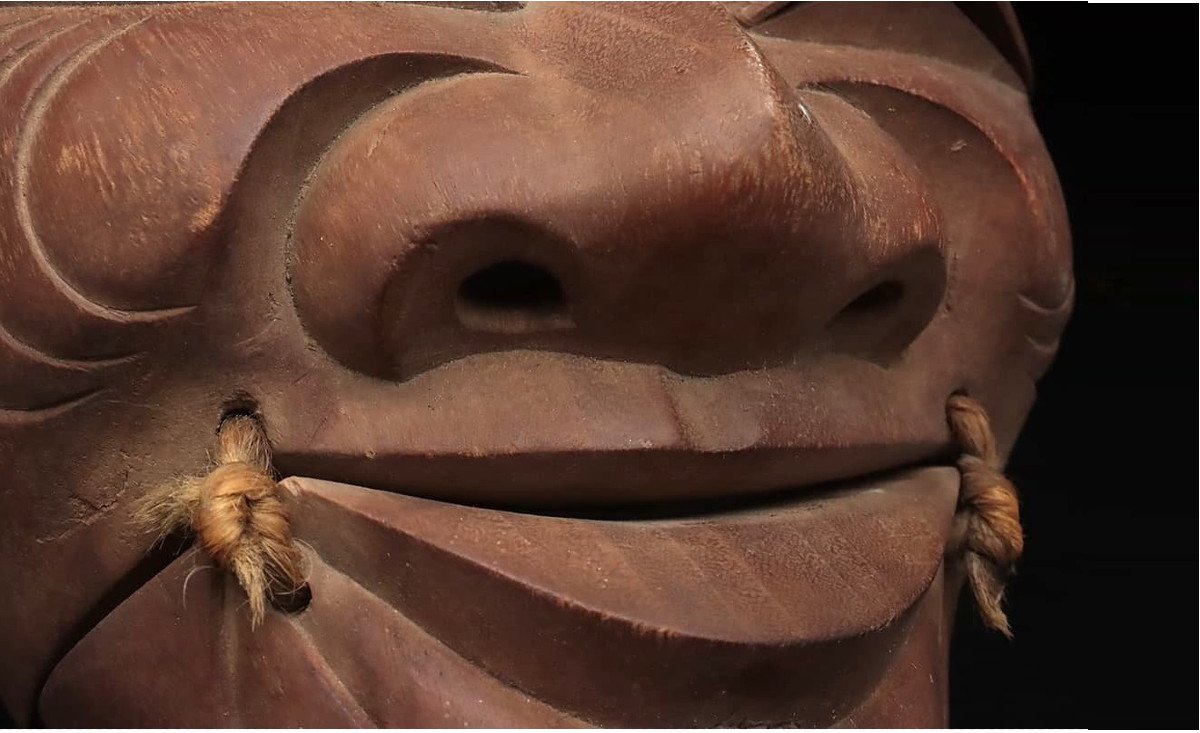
[293, 602]
[877, 301]
[239, 405]
[512, 297]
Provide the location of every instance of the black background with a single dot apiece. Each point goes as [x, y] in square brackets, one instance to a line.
[1105, 604]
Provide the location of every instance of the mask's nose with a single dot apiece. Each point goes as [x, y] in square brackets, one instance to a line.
[681, 211]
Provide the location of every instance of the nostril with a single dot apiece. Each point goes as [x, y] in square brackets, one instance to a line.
[873, 325]
[881, 321]
[877, 301]
[512, 297]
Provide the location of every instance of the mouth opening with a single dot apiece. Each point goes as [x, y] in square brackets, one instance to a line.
[639, 509]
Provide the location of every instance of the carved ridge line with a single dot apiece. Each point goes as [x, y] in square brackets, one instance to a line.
[883, 64]
[1058, 310]
[305, 184]
[11, 29]
[391, 609]
[11, 417]
[331, 676]
[485, 668]
[1053, 313]
[15, 345]
[20, 348]
[1054, 316]
[456, 67]
[1043, 349]
[17, 56]
[25, 143]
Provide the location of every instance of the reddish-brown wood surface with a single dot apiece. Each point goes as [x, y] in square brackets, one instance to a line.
[678, 292]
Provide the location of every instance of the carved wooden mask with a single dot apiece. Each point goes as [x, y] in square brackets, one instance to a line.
[605, 347]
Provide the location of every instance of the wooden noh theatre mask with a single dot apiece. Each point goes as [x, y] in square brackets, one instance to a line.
[601, 354]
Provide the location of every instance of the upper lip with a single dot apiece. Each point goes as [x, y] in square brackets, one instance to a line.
[544, 430]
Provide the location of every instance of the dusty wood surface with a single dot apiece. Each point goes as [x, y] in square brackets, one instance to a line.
[555, 259]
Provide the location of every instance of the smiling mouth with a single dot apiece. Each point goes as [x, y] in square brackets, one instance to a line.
[784, 609]
[625, 545]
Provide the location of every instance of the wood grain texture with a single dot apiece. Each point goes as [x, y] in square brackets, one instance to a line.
[770, 242]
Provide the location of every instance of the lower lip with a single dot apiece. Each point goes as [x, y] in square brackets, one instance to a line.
[787, 611]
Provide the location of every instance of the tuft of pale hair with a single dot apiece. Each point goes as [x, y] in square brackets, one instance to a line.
[236, 514]
[989, 537]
